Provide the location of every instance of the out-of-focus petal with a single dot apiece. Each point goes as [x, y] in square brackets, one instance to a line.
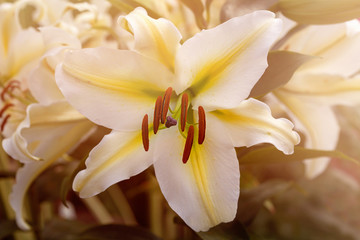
[326, 89]
[336, 46]
[320, 11]
[317, 122]
[56, 41]
[56, 126]
[154, 38]
[25, 176]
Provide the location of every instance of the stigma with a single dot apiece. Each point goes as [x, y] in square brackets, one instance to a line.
[164, 117]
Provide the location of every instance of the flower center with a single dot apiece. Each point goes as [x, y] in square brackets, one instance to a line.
[13, 102]
[162, 120]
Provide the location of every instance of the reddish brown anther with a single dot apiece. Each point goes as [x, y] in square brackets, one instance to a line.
[4, 108]
[9, 87]
[165, 105]
[188, 144]
[202, 124]
[184, 107]
[157, 114]
[6, 118]
[145, 132]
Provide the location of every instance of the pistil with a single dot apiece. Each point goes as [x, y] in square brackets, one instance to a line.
[170, 122]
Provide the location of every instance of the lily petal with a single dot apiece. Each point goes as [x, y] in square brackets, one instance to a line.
[154, 38]
[251, 123]
[46, 127]
[221, 71]
[119, 156]
[325, 89]
[49, 141]
[320, 11]
[21, 54]
[319, 125]
[204, 191]
[25, 176]
[42, 77]
[117, 87]
[336, 45]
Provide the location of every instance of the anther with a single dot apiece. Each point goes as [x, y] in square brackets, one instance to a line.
[6, 118]
[166, 103]
[145, 132]
[184, 106]
[4, 108]
[202, 124]
[157, 114]
[170, 122]
[188, 144]
[9, 87]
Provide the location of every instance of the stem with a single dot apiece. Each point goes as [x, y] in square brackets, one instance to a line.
[155, 200]
[98, 210]
[122, 205]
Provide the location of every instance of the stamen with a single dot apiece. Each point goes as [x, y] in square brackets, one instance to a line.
[9, 87]
[145, 132]
[170, 122]
[184, 106]
[4, 122]
[4, 108]
[166, 103]
[202, 124]
[157, 114]
[188, 144]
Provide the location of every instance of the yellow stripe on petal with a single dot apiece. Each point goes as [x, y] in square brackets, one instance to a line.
[252, 123]
[200, 170]
[213, 71]
[113, 88]
[204, 191]
[117, 157]
[220, 71]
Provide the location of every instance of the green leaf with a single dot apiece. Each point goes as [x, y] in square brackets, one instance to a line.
[282, 65]
[273, 155]
[226, 231]
[115, 231]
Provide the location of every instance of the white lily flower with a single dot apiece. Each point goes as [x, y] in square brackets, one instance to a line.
[38, 124]
[328, 80]
[201, 86]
